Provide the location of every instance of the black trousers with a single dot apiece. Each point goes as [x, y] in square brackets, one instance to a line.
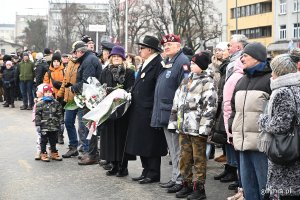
[51, 136]
[151, 167]
[9, 94]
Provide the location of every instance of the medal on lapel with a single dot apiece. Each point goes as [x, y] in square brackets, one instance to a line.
[143, 75]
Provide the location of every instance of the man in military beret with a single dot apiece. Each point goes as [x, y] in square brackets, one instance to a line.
[175, 68]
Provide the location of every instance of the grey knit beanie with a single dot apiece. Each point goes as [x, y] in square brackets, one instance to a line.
[256, 50]
[286, 63]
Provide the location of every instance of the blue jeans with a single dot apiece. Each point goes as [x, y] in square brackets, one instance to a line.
[230, 155]
[70, 117]
[83, 131]
[254, 168]
[26, 88]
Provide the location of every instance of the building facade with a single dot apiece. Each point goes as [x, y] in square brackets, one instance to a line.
[7, 32]
[69, 21]
[286, 26]
[253, 18]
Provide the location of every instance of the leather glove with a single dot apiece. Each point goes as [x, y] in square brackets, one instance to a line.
[68, 85]
[62, 128]
[60, 99]
[172, 130]
[38, 129]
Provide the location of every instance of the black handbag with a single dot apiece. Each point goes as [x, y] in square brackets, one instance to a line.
[284, 148]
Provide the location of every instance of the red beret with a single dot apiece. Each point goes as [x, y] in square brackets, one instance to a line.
[170, 38]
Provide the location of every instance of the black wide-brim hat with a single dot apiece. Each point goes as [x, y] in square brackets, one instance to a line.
[151, 42]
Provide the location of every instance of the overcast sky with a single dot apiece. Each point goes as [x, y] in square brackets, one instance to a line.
[9, 8]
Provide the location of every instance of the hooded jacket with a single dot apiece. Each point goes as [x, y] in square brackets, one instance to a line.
[249, 100]
[195, 105]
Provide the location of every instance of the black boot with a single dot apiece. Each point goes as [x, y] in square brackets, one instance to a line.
[114, 169]
[230, 176]
[212, 152]
[198, 192]
[186, 190]
[5, 104]
[223, 174]
[72, 152]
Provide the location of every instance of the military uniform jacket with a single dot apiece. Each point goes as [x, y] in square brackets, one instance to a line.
[48, 115]
[168, 81]
[195, 105]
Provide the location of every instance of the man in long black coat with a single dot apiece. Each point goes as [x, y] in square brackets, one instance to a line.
[143, 140]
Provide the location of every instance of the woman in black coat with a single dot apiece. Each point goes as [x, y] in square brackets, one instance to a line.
[113, 131]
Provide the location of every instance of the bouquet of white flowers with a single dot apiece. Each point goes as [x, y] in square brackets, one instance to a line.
[113, 106]
[102, 106]
[92, 94]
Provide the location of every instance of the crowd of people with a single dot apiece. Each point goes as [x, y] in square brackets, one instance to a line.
[183, 103]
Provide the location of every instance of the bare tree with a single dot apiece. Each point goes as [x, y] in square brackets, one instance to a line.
[74, 22]
[35, 34]
[194, 20]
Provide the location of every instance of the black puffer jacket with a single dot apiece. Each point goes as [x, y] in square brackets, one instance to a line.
[41, 67]
[8, 78]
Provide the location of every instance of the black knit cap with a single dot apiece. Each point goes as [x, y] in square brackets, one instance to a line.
[56, 56]
[202, 59]
[256, 50]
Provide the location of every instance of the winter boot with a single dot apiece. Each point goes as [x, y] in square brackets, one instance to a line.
[13, 105]
[37, 156]
[6, 104]
[231, 175]
[198, 192]
[223, 174]
[44, 157]
[72, 152]
[186, 190]
[56, 156]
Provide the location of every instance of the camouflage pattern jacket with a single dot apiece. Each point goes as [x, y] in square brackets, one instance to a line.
[48, 115]
[194, 106]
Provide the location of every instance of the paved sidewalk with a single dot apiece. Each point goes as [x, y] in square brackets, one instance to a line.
[21, 177]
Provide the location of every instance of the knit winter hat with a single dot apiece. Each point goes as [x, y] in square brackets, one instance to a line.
[47, 88]
[222, 45]
[286, 63]
[56, 56]
[256, 50]
[86, 39]
[39, 56]
[47, 51]
[118, 50]
[40, 88]
[202, 59]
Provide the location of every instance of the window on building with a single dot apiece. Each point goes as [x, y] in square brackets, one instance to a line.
[243, 11]
[296, 6]
[248, 10]
[3, 51]
[282, 7]
[297, 30]
[252, 10]
[258, 8]
[282, 32]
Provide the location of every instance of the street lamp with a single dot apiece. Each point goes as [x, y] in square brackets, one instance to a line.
[236, 18]
[126, 24]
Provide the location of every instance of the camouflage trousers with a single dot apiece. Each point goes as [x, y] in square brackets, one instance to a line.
[192, 153]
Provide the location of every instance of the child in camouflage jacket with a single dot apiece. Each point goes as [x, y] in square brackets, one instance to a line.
[192, 116]
[48, 121]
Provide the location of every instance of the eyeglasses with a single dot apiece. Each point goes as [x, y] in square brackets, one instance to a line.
[143, 48]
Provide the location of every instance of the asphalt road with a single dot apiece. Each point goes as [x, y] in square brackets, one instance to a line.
[21, 177]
